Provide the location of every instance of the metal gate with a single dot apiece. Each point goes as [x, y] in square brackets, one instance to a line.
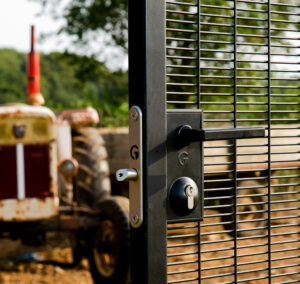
[224, 211]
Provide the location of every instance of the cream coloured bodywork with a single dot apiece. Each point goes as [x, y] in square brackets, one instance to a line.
[30, 209]
[40, 125]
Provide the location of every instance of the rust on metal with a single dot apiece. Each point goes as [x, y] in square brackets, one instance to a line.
[31, 209]
[79, 117]
[73, 161]
[40, 163]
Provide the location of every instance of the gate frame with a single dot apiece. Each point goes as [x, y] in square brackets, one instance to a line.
[148, 91]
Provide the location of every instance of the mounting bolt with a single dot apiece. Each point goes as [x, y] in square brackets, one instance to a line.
[135, 218]
[134, 114]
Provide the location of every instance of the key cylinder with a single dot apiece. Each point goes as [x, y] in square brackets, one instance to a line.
[183, 196]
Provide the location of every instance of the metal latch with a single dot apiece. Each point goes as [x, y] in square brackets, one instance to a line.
[135, 173]
[126, 175]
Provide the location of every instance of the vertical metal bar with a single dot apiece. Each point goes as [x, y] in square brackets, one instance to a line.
[199, 105]
[269, 144]
[199, 54]
[20, 171]
[235, 145]
[147, 90]
[199, 251]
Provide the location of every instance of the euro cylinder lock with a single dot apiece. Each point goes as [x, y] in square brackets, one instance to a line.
[184, 196]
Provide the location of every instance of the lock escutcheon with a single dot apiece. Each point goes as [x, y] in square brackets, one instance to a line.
[184, 196]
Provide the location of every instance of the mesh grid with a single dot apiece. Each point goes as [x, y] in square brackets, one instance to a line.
[239, 62]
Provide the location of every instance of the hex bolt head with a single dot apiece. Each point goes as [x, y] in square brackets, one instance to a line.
[134, 114]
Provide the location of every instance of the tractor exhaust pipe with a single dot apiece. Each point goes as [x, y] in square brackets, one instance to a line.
[34, 97]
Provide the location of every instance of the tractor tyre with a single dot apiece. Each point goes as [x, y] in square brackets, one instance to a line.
[251, 218]
[92, 182]
[108, 252]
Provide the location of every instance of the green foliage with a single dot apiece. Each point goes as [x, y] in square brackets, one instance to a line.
[214, 78]
[12, 76]
[68, 81]
[84, 17]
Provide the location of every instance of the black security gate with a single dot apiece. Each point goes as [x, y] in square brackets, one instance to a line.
[215, 140]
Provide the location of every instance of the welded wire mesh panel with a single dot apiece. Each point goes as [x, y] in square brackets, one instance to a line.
[239, 62]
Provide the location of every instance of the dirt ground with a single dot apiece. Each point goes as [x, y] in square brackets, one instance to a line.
[217, 256]
[16, 265]
[45, 274]
[13, 269]
[217, 252]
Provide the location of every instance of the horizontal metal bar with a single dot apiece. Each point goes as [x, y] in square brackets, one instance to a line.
[184, 280]
[285, 266]
[285, 274]
[251, 279]
[217, 241]
[252, 262]
[284, 4]
[217, 250]
[252, 270]
[285, 258]
[183, 227]
[182, 245]
[217, 275]
[216, 258]
[181, 3]
[182, 236]
[182, 253]
[182, 262]
[182, 271]
[285, 282]
[180, 12]
[217, 267]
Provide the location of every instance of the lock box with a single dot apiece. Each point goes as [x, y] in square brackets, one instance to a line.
[184, 167]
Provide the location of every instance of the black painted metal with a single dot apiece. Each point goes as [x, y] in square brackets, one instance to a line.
[184, 160]
[186, 134]
[238, 61]
[147, 90]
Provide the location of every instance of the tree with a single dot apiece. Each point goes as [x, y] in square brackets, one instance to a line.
[217, 33]
[64, 84]
[86, 19]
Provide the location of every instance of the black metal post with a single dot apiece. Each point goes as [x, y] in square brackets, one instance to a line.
[147, 90]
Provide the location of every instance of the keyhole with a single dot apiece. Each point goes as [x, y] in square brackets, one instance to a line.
[190, 193]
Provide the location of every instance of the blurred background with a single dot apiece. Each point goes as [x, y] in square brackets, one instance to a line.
[83, 53]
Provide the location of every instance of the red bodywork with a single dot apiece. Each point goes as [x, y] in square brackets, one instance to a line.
[33, 75]
[37, 172]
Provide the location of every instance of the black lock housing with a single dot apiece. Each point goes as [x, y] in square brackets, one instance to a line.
[178, 198]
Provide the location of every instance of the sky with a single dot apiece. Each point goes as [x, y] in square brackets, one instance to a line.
[16, 17]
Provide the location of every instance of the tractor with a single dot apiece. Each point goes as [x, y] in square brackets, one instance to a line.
[54, 176]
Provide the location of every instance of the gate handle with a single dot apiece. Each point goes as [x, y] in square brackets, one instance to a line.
[186, 134]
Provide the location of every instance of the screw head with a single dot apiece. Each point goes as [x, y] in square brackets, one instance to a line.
[135, 218]
[134, 114]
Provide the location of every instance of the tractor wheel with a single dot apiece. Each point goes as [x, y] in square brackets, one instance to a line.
[248, 223]
[109, 246]
[92, 181]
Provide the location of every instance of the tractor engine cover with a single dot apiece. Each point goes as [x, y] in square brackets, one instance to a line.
[28, 174]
